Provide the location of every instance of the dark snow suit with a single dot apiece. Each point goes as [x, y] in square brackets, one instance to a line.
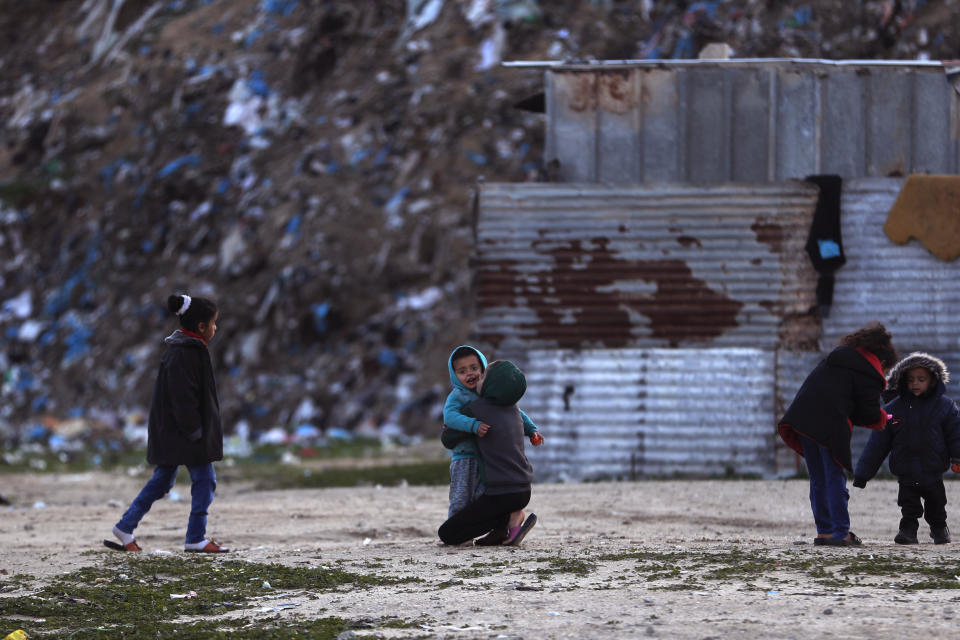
[920, 447]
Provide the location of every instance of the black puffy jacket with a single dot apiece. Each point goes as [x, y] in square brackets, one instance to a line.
[928, 436]
[842, 391]
[184, 425]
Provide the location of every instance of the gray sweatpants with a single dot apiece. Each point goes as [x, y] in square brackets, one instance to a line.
[465, 485]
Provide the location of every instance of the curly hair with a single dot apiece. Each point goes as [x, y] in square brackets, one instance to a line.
[877, 340]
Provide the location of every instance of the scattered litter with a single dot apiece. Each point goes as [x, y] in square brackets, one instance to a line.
[186, 596]
[278, 607]
[173, 158]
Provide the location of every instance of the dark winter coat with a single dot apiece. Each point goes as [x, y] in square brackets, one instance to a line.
[928, 436]
[842, 391]
[184, 425]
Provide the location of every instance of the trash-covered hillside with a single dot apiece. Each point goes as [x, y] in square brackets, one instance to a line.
[309, 165]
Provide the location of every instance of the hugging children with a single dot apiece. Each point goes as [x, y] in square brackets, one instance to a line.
[466, 365]
[506, 472]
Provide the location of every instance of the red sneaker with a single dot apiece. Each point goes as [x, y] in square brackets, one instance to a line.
[210, 546]
[116, 546]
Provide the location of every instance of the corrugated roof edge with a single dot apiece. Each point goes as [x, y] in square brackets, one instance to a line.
[594, 64]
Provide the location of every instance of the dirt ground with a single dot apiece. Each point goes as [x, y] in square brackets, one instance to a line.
[534, 591]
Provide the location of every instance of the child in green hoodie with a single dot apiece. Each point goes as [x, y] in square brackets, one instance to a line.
[466, 365]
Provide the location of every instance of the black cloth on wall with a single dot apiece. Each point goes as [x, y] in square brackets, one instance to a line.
[825, 243]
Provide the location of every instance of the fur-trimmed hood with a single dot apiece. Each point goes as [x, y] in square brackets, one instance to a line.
[933, 364]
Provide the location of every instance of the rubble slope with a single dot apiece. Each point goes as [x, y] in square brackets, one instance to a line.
[310, 165]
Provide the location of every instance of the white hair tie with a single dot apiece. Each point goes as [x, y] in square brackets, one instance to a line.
[186, 305]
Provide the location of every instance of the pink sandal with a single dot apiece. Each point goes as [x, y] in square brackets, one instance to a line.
[519, 532]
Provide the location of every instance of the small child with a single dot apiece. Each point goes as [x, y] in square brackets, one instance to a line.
[923, 441]
[184, 426]
[466, 365]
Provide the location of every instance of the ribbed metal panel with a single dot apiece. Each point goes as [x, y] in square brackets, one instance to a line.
[914, 293]
[558, 276]
[586, 266]
[749, 121]
[651, 412]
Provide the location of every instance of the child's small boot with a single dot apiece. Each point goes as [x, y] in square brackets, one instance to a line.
[905, 536]
[940, 535]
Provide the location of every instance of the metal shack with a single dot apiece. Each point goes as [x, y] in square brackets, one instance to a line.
[659, 296]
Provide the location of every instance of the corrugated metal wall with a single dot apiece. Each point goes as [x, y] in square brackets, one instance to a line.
[651, 412]
[588, 287]
[915, 294]
[559, 292]
[750, 121]
[593, 266]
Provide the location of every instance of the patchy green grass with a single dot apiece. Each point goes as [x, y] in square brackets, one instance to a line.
[264, 467]
[561, 565]
[131, 596]
[266, 477]
[691, 570]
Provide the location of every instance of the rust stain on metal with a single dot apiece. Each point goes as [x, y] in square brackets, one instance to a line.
[801, 332]
[689, 241]
[684, 307]
[581, 91]
[580, 300]
[615, 92]
[768, 233]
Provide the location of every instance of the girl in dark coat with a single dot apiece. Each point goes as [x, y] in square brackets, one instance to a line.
[184, 427]
[923, 441]
[843, 390]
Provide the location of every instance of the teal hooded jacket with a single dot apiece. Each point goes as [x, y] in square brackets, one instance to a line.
[458, 398]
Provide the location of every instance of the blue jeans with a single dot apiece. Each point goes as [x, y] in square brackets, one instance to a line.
[204, 483]
[828, 490]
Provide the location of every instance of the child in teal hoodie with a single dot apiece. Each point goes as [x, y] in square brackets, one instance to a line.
[466, 364]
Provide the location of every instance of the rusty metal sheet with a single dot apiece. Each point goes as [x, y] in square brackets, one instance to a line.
[588, 266]
[709, 122]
